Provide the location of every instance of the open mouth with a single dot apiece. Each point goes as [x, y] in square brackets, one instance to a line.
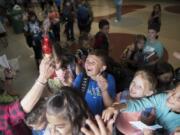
[88, 70]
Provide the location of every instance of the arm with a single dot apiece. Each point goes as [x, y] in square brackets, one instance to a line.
[156, 101]
[32, 97]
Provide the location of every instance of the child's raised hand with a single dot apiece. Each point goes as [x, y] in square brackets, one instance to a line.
[102, 83]
[46, 68]
[147, 132]
[100, 128]
[110, 112]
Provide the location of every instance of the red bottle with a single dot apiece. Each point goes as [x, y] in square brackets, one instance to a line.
[47, 46]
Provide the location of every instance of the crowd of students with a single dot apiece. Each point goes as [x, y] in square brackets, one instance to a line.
[77, 93]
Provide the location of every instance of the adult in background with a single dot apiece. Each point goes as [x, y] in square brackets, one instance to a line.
[84, 17]
[118, 4]
[155, 17]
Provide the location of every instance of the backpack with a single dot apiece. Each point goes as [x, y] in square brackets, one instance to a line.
[85, 81]
[84, 84]
[83, 14]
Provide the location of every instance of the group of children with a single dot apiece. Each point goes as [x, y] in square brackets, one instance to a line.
[82, 86]
[92, 92]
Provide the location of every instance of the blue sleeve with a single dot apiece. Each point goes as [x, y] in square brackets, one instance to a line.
[77, 81]
[157, 101]
[111, 86]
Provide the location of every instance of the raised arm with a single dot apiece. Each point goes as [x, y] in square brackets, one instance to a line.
[31, 98]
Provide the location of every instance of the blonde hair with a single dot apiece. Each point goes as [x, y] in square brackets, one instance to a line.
[149, 77]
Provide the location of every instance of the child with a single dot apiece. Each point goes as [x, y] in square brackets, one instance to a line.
[65, 69]
[7, 95]
[33, 36]
[101, 38]
[154, 49]
[66, 113]
[167, 107]
[68, 14]
[133, 54]
[97, 86]
[165, 74]
[155, 17]
[142, 85]
[55, 25]
[36, 119]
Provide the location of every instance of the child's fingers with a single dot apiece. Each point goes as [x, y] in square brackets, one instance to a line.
[101, 125]
[86, 131]
[115, 115]
[92, 126]
[105, 116]
[110, 125]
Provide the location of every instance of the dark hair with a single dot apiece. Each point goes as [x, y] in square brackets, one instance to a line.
[37, 114]
[102, 23]
[177, 76]
[31, 14]
[63, 55]
[71, 103]
[101, 54]
[163, 67]
[138, 38]
[154, 26]
[157, 5]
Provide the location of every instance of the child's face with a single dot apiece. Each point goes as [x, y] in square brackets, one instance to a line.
[173, 101]
[105, 29]
[140, 44]
[94, 66]
[156, 8]
[33, 18]
[59, 125]
[152, 34]
[139, 87]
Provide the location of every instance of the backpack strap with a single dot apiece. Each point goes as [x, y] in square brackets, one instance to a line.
[84, 84]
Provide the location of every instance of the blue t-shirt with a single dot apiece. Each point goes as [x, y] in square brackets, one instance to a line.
[93, 94]
[38, 132]
[164, 116]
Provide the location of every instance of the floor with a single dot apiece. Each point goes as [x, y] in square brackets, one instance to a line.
[133, 22]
